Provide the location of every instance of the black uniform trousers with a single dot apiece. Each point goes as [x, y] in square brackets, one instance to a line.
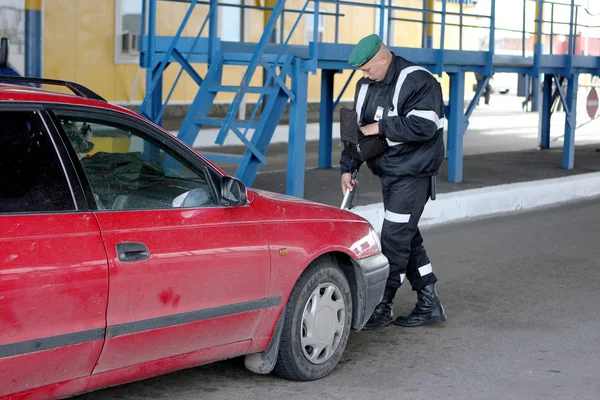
[404, 199]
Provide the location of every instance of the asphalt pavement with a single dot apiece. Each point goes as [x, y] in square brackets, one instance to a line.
[521, 295]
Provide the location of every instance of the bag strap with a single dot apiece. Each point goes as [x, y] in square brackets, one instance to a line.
[359, 102]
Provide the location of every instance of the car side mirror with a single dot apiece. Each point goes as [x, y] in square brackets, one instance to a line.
[233, 192]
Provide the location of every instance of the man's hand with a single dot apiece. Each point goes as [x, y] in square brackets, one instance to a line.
[347, 182]
[371, 129]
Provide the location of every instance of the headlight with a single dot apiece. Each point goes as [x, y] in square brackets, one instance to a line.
[369, 245]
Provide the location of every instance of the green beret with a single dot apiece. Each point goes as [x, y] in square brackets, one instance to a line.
[365, 50]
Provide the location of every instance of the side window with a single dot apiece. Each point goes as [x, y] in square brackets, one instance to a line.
[127, 170]
[32, 178]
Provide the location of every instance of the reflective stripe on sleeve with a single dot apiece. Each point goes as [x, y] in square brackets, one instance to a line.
[428, 115]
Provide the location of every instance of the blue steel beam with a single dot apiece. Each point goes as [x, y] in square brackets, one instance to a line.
[535, 90]
[314, 49]
[480, 88]
[33, 38]
[546, 115]
[568, 159]
[294, 183]
[439, 67]
[335, 56]
[213, 45]
[456, 126]
[492, 41]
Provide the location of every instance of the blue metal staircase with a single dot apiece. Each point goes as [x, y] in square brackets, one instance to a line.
[256, 132]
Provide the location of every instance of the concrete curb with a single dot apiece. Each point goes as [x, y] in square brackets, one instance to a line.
[473, 203]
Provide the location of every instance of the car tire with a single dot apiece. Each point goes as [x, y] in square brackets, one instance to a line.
[317, 323]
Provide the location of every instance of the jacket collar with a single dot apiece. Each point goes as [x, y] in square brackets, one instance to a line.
[391, 71]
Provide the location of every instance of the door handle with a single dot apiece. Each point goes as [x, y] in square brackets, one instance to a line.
[132, 251]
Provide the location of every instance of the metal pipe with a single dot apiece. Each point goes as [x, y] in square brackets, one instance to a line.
[389, 24]
[455, 24]
[537, 56]
[281, 27]
[552, 29]
[381, 18]
[212, 32]
[575, 31]
[423, 25]
[492, 39]
[460, 31]
[524, 28]
[401, 8]
[443, 37]
[315, 47]
[430, 19]
[151, 39]
[571, 36]
[337, 21]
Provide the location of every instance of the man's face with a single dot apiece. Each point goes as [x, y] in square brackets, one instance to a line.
[376, 69]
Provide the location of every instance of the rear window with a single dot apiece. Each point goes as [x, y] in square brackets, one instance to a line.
[32, 178]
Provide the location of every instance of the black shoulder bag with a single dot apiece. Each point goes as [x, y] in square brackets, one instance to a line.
[357, 145]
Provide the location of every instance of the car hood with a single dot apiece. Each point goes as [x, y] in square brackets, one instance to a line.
[279, 207]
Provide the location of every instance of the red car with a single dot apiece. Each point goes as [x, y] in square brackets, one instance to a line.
[125, 254]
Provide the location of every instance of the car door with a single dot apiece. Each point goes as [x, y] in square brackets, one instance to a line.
[53, 267]
[185, 272]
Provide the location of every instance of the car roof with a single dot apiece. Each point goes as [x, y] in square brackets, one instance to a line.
[23, 93]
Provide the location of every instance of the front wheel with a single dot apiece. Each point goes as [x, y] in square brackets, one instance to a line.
[317, 324]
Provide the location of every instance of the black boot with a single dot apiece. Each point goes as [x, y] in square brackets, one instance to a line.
[383, 314]
[428, 309]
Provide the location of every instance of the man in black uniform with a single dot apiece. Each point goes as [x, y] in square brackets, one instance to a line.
[403, 102]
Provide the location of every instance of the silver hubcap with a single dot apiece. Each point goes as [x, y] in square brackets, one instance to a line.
[323, 322]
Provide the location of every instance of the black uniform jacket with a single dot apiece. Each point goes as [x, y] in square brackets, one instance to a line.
[409, 106]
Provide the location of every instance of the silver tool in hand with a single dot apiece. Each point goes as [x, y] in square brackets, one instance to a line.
[349, 195]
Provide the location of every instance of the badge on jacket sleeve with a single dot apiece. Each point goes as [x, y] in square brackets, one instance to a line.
[378, 114]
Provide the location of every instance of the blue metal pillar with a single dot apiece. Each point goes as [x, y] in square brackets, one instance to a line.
[33, 38]
[212, 31]
[456, 126]
[326, 118]
[546, 113]
[568, 159]
[429, 27]
[535, 93]
[538, 51]
[294, 184]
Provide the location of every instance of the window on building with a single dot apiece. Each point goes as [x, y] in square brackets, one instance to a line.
[309, 30]
[230, 22]
[12, 26]
[32, 178]
[128, 19]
